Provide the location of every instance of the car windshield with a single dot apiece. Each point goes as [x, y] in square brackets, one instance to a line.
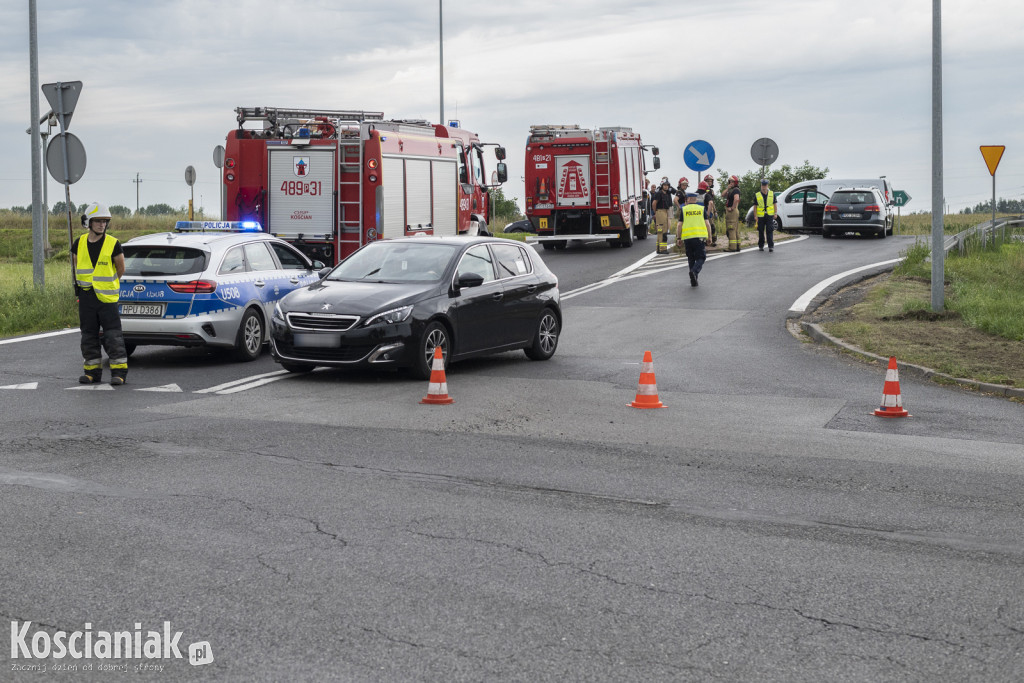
[848, 197]
[153, 260]
[395, 261]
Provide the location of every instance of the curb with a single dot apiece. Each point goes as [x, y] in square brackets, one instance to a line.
[815, 332]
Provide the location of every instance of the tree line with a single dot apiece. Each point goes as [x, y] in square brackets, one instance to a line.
[118, 210]
[1003, 205]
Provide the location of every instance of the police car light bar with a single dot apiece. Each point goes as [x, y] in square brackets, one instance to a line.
[218, 226]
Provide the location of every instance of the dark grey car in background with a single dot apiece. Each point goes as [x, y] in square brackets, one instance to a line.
[861, 210]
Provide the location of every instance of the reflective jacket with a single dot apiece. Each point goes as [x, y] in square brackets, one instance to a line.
[101, 276]
[693, 222]
[761, 210]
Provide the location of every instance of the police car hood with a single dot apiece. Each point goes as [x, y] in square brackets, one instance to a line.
[356, 298]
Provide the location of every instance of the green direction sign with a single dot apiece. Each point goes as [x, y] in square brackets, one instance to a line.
[900, 198]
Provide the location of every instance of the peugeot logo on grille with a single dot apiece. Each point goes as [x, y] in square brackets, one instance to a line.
[325, 307]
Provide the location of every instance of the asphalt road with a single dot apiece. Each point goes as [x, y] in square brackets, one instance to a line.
[763, 526]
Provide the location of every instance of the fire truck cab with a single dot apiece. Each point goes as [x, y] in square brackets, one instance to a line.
[584, 184]
[331, 181]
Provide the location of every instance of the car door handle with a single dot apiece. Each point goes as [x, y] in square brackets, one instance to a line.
[260, 283]
[497, 296]
[294, 280]
[531, 289]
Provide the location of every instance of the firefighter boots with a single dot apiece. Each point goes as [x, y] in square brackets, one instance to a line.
[91, 377]
[118, 377]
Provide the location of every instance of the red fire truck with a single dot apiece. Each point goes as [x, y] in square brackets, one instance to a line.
[586, 184]
[331, 181]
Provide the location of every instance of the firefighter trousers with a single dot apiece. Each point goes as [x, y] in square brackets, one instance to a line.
[95, 318]
[732, 228]
[661, 220]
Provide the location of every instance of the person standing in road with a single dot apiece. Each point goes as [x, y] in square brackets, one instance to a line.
[692, 236]
[678, 201]
[662, 200]
[98, 262]
[765, 216]
[702, 199]
[732, 213]
[709, 202]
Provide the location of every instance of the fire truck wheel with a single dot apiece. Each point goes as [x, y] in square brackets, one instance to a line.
[249, 341]
[548, 246]
[433, 336]
[546, 340]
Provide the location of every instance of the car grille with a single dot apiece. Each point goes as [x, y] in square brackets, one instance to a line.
[343, 354]
[325, 322]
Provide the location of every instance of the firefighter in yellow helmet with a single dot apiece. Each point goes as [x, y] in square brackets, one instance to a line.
[662, 201]
[98, 262]
[693, 234]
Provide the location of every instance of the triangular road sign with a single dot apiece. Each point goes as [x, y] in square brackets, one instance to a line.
[72, 89]
[992, 154]
[26, 385]
[167, 387]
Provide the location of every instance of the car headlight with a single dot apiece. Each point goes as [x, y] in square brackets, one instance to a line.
[395, 315]
[278, 315]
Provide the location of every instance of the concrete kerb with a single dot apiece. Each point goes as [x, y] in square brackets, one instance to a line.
[815, 332]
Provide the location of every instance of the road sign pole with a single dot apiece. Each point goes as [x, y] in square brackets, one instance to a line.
[67, 174]
[938, 249]
[38, 216]
[993, 209]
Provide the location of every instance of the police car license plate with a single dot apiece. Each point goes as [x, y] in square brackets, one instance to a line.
[322, 341]
[850, 215]
[143, 310]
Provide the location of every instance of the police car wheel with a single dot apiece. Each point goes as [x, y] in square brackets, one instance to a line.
[249, 342]
[433, 336]
[546, 340]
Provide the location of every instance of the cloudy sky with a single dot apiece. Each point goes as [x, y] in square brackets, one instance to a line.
[844, 85]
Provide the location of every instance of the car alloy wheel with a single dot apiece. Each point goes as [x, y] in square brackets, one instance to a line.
[249, 341]
[546, 340]
[434, 335]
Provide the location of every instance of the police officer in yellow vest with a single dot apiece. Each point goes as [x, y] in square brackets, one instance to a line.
[98, 261]
[692, 233]
[765, 216]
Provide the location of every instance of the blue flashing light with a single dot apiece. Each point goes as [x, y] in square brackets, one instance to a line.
[218, 226]
[303, 132]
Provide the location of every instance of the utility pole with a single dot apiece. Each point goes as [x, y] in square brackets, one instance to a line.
[38, 231]
[440, 40]
[938, 249]
[137, 181]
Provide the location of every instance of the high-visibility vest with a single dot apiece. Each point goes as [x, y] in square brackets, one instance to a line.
[693, 222]
[101, 277]
[761, 210]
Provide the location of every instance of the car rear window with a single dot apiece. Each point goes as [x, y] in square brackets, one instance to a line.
[848, 197]
[144, 261]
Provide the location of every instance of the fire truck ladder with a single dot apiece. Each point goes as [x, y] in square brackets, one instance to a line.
[350, 193]
[275, 118]
[602, 172]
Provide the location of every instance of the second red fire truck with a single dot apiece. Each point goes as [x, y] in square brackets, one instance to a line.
[586, 184]
[331, 181]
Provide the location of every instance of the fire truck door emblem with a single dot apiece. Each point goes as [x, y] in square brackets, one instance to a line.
[300, 166]
[572, 185]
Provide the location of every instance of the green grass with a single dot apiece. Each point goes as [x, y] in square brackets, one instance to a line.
[25, 309]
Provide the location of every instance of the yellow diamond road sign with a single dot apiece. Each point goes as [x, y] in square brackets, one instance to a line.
[992, 154]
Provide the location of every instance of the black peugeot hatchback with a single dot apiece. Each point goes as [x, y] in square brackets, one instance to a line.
[391, 303]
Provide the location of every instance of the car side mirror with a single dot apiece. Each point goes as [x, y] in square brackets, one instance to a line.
[324, 272]
[317, 265]
[500, 175]
[654, 151]
[471, 280]
[499, 153]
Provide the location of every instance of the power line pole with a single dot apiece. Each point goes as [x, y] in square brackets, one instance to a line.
[38, 218]
[137, 181]
[938, 249]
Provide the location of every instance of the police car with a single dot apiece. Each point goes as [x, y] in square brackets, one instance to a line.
[208, 284]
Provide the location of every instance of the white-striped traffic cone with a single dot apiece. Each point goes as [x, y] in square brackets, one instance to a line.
[647, 388]
[437, 392]
[892, 400]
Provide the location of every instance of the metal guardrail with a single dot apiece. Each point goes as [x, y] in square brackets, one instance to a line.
[984, 230]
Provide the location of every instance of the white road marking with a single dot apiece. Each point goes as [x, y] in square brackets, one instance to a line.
[39, 336]
[801, 304]
[257, 383]
[245, 380]
[91, 387]
[26, 385]
[172, 388]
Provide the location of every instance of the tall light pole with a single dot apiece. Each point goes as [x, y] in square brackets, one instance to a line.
[938, 251]
[38, 255]
[440, 43]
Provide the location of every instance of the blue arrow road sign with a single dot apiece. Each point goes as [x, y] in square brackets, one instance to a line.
[699, 155]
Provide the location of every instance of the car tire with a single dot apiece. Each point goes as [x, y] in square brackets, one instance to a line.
[545, 340]
[881, 234]
[249, 340]
[548, 246]
[626, 236]
[435, 334]
[827, 234]
[298, 368]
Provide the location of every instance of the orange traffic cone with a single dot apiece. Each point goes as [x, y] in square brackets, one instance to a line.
[647, 388]
[437, 392]
[892, 401]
